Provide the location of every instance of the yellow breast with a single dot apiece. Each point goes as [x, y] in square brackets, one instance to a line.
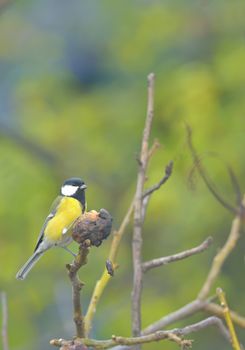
[69, 209]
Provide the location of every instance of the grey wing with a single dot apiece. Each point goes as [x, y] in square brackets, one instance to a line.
[48, 218]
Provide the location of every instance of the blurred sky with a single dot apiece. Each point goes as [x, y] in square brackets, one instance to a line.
[72, 103]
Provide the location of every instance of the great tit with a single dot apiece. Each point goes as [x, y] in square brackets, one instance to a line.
[66, 208]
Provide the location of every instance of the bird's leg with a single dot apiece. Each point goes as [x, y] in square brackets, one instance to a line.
[68, 250]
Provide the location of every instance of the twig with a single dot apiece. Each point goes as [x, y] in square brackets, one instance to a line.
[217, 310]
[5, 321]
[147, 193]
[104, 279]
[117, 340]
[235, 186]
[175, 335]
[80, 260]
[227, 316]
[180, 314]
[154, 147]
[176, 257]
[204, 176]
[189, 310]
[210, 321]
[137, 231]
[201, 303]
[168, 172]
[220, 258]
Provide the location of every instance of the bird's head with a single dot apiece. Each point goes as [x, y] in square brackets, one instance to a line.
[72, 186]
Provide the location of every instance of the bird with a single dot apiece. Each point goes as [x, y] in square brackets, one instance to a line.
[56, 230]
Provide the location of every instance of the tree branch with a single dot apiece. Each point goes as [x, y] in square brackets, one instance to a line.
[210, 321]
[5, 321]
[117, 340]
[217, 310]
[176, 257]
[168, 172]
[180, 314]
[227, 317]
[79, 261]
[220, 258]
[189, 310]
[175, 335]
[155, 146]
[138, 222]
[147, 193]
[201, 303]
[204, 176]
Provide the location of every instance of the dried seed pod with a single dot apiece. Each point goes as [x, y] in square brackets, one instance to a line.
[92, 225]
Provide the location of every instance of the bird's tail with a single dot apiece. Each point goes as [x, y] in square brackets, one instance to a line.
[23, 272]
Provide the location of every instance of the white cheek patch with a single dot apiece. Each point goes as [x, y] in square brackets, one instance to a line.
[64, 231]
[68, 190]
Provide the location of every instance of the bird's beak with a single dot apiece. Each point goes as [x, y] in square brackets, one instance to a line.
[83, 187]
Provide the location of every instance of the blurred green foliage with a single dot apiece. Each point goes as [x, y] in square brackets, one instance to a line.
[72, 103]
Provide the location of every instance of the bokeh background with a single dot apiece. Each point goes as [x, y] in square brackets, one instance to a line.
[72, 103]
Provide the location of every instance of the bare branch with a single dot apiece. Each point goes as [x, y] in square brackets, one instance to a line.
[235, 186]
[227, 316]
[145, 203]
[5, 321]
[220, 258]
[168, 172]
[160, 335]
[204, 176]
[155, 146]
[176, 257]
[180, 314]
[117, 340]
[80, 260]
[175, 335]
[196, 327]
[147, 193]
[217, 310]
[210, 321]
[149, 118]
[138, 222]
[189, 310]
